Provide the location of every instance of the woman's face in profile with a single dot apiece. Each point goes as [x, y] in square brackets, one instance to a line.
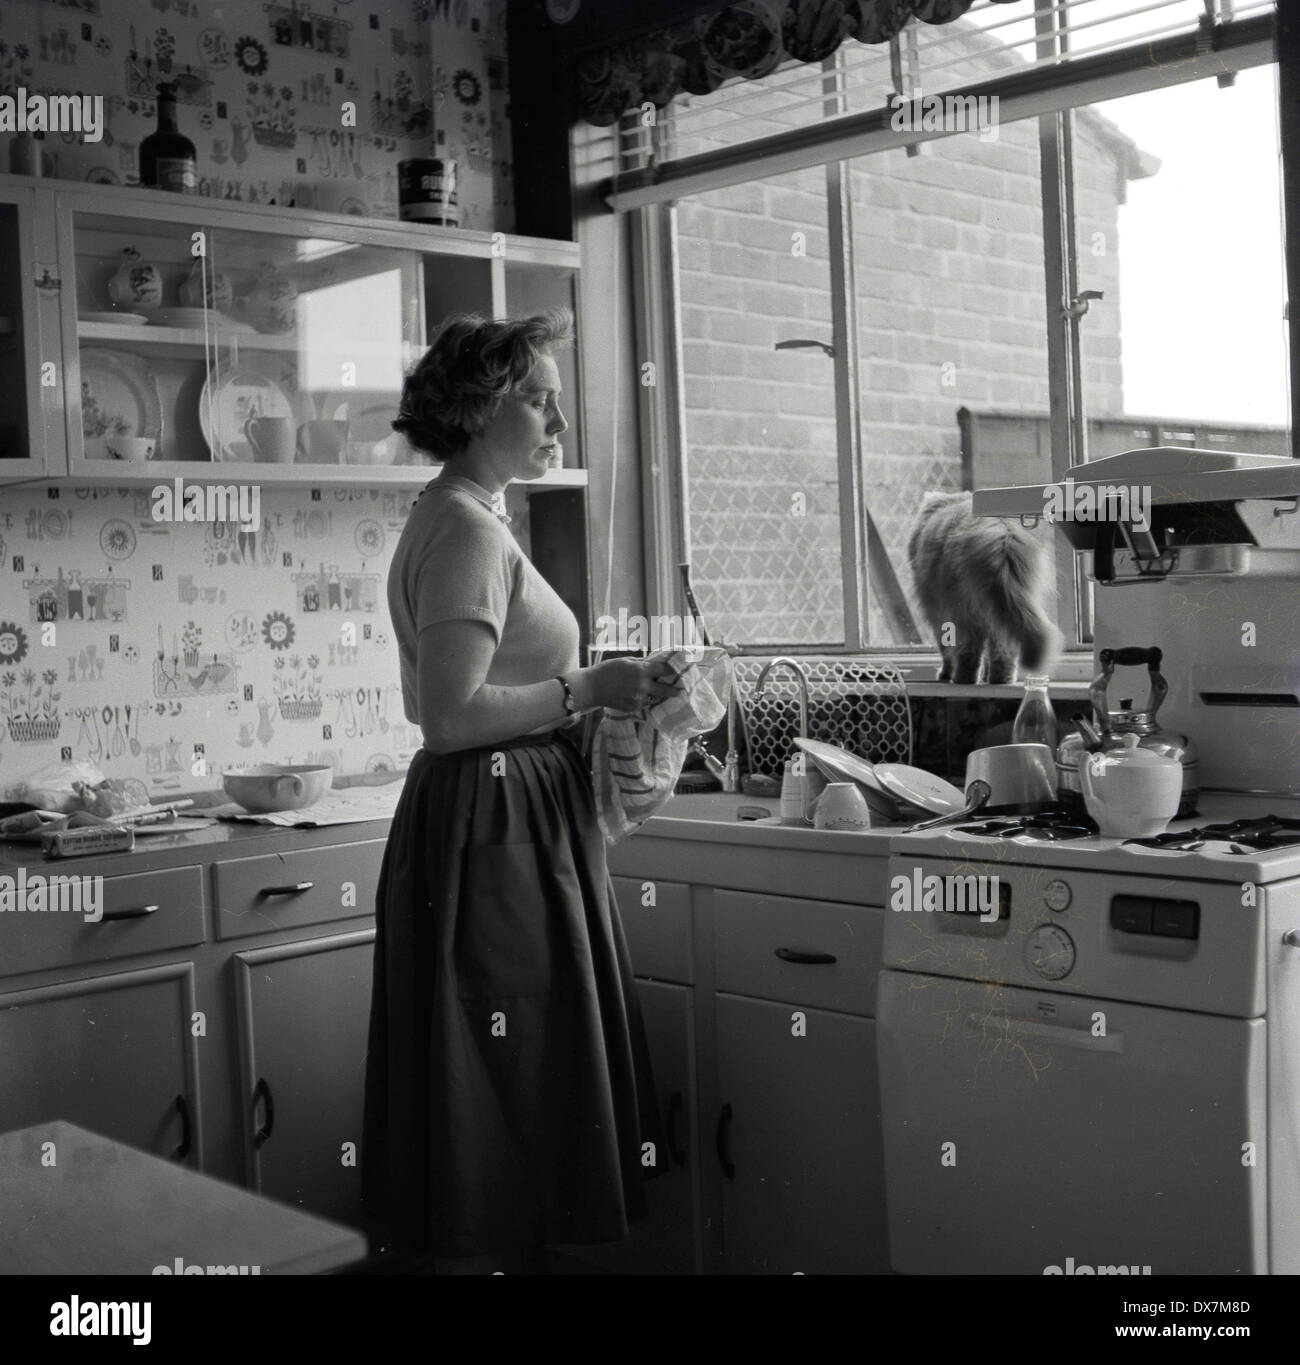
[521, 438]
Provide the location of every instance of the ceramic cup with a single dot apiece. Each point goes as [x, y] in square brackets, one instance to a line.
[134, 448]
[322, 442]
[842, 806]
[272, 438]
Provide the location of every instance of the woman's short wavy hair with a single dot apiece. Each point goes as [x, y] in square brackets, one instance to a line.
[458, 386]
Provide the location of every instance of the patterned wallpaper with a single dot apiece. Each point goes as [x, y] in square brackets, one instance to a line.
[428, 78]
[167, 636]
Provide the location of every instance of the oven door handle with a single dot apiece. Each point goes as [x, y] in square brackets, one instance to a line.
[992, 1025]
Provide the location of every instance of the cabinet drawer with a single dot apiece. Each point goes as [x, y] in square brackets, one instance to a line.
[287, 890]
[755, 937]
[658, 935]
[35, 940]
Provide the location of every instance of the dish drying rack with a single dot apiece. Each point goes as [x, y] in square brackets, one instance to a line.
[854, 703]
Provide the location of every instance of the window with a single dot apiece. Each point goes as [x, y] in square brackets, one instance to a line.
[1067, 281]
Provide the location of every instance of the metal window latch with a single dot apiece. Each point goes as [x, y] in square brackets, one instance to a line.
[1078, 306]
[47, 281]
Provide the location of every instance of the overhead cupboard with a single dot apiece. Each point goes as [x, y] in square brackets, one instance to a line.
[146, 337]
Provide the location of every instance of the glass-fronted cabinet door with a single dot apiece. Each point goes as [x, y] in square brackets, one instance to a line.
[31, 444]
[237, 344]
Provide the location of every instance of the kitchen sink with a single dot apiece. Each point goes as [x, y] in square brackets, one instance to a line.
[722, 806]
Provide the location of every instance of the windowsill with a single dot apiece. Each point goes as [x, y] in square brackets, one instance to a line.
[1071, 677]
[1066, 690]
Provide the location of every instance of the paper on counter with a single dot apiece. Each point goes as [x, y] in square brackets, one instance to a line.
[347, 806]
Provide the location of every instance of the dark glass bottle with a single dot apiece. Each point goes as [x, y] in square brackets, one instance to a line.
[167, 159]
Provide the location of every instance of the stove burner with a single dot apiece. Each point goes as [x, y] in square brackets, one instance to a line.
[1242, 836]
[1053, 825]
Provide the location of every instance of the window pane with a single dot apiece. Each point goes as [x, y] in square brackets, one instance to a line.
[762, 503]
[1189, 346]
[948, 260]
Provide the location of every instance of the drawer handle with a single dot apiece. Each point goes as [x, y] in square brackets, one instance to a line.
[722, 1139]
[262, 1091]
[295, 890]
[676, 1106]
[805, 958]
[136, 912]
[183, 1109]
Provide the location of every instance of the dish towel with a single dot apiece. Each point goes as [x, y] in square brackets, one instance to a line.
[637, 757]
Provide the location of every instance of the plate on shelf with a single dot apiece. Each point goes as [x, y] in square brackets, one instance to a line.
[238, 395]
[920, 788]
[118, 319]
[119, 395]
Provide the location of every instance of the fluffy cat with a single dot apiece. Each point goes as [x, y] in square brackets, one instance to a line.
[991, 579]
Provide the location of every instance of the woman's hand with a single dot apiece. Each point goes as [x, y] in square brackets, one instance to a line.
[632, 684]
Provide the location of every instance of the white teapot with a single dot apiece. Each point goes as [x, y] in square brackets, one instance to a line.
[1131, 792]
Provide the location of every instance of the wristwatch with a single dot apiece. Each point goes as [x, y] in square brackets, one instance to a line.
[570, 703]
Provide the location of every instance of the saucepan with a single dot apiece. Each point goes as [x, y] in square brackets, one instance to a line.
[1005, 779]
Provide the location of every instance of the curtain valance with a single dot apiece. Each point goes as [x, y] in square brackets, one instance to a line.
[748, 39]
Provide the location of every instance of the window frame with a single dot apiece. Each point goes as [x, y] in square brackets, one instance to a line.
[652, 206]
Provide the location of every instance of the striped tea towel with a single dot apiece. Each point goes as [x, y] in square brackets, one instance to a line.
[636, 759]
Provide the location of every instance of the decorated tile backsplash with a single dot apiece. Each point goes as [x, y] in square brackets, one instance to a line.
[262, 107]
[169, 651]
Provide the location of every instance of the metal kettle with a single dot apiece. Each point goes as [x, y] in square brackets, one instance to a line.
[1114, 725]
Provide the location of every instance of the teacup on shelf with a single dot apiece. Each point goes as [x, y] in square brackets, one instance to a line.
[133, 448]
[272, 438]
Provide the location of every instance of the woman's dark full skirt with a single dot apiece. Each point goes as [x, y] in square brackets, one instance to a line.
[509, 1096]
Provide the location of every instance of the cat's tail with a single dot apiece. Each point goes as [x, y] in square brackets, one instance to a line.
[1016, 593]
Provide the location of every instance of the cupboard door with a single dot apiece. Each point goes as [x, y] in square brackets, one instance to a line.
[798, 1140]
[667, 1241]
[111, 1054]
[304, 1012]
[31, 434]
[658, 935]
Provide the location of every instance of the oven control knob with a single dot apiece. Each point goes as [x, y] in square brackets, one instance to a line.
[1056, 895]
[1050, 952]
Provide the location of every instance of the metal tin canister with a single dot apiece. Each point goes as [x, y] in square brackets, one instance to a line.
[426, 192]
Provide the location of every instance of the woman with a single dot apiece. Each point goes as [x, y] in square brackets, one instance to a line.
[509, 1098]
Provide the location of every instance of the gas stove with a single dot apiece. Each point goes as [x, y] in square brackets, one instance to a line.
[1235, 837]
[1252, 832]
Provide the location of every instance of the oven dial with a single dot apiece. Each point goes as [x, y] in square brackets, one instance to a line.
[1050, 952]
[1056, 895]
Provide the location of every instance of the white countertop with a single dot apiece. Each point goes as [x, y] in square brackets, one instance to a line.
[717, 823]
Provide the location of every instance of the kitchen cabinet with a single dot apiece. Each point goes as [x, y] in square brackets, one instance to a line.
[194, 988]
[113, 1053]
[798, 1120]
[303, 1012]
[798, 1141]
[656, 921]
[30, 415]
[776, 1055]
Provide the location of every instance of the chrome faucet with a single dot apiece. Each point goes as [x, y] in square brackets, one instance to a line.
[802, 679]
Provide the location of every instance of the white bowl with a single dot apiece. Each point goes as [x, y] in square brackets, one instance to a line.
[267, 787]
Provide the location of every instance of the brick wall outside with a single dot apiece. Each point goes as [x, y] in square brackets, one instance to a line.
[951, 313]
